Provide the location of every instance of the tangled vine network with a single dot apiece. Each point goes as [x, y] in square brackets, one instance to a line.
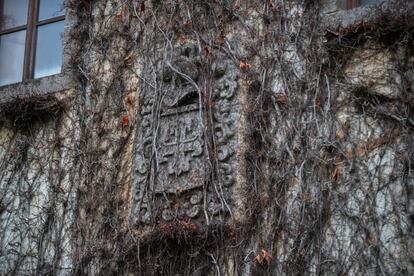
[324, 142]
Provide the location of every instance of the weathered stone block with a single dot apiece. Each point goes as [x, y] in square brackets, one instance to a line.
[374, 68]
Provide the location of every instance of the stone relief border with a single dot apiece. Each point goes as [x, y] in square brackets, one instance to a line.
[179, 177]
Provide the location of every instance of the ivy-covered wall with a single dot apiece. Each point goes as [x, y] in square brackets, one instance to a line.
[216, 138]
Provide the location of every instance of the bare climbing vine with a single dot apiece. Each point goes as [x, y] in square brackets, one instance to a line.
[325, 133]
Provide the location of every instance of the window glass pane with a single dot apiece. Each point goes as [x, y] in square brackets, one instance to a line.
[11, 57]
[13, 13]
[51, 8]
[49, 49]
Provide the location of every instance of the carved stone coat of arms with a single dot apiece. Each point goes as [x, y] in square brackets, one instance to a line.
[186, 140]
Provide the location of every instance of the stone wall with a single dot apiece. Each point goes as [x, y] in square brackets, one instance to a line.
[216, 138]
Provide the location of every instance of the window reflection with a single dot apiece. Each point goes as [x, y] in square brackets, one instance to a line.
[13, 13]
[11, 56]
[49, 49]
[51, 8]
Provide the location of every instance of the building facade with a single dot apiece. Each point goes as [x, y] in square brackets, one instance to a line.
[206, 137]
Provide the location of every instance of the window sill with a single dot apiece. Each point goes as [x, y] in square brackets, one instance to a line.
[38, 87]
[334, 19]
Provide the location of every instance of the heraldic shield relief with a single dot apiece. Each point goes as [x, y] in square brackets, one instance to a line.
[186, 141]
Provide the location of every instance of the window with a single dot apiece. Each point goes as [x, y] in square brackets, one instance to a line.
[31, 39]
[350, 4]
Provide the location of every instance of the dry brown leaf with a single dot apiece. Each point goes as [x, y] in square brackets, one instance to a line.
[175, 204]
[264, 258]
[129, 100]
[125, 121]
[142, 7]
[189, 226]
[281, 98]
[245, 65]
[207, 51]
[335, 173]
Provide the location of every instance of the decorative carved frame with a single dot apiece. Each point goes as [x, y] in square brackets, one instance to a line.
[173, 162]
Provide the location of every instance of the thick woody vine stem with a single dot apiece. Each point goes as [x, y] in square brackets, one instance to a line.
[314, 176]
